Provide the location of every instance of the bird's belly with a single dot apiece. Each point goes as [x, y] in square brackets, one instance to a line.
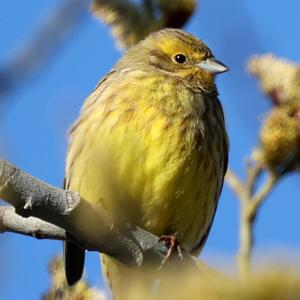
[169, 184]
[181, 203]
[150, 174]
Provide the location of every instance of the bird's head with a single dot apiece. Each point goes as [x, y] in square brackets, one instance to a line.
[179, 54]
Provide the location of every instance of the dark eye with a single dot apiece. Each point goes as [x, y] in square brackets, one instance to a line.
[180, 58]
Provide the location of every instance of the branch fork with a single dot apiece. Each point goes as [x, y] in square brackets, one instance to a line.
[46, 212]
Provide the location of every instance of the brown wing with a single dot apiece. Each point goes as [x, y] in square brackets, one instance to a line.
[74, 255]
[196, 250]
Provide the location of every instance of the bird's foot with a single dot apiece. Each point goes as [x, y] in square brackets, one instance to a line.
[173, 246]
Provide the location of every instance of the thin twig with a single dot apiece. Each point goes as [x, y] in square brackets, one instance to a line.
[250, 203]
[263, 193]
[253, 174]
[246, 242]
[236, 185]
[33, 227]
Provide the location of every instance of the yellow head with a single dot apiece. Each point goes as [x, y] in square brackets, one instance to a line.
[177, 53]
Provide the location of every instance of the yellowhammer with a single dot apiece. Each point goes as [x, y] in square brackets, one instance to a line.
[150, 145]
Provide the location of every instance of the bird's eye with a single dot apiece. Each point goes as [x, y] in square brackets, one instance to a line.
[180, 58]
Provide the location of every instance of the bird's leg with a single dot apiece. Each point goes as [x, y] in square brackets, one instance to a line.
[173, 245]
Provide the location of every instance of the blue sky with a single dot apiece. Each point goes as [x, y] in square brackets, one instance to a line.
[36, 117]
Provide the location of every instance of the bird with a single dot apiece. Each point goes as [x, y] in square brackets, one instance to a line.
[150, 146]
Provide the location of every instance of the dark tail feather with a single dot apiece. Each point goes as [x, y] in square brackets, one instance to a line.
[74, 262]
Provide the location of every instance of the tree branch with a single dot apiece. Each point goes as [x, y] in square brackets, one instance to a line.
[262, 194]
[12, 222]
[253, 174]
[250, 202]
[236, 185]
[85, 223]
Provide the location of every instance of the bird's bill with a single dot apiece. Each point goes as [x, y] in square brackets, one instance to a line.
[211, 65]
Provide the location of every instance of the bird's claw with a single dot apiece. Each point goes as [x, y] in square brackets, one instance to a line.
[173, 245]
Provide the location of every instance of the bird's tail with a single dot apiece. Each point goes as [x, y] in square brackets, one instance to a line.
[74, 262]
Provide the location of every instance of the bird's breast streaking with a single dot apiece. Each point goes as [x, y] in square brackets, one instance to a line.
[150, 160]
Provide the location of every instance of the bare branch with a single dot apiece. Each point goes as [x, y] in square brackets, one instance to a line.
[246, 242]
[85, 223]
[12, 222]
[236, 185]
[253, 173]
[250, 203]
[262, 194]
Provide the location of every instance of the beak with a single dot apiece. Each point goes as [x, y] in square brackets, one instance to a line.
[213, 66]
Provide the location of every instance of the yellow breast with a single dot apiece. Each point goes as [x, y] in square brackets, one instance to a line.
[143, 155]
